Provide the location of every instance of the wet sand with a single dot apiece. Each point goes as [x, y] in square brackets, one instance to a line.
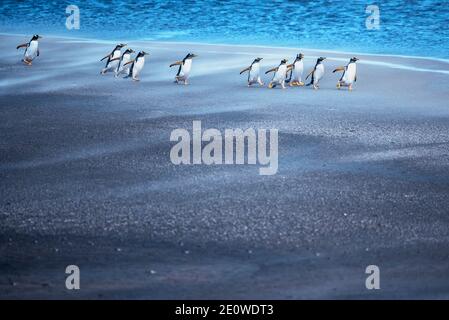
[86, 178]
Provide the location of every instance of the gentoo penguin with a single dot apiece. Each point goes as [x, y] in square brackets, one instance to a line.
[184, 68]
[280, 73]
[317, 73]
[349, 74]
[253, 72]
[296, 70]
[124, 59]
[31, 49]
[112, 59]
[136, 65]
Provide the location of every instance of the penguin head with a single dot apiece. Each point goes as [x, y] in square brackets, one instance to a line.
[299, 56]
[120, 45]
[258, 59]
[284, 61]
[320, 59]
[36, 37]
[129, 50]
[190, 56]
[142, 53]
[353, 59]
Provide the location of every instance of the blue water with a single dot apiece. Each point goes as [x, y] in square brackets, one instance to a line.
[406, 27]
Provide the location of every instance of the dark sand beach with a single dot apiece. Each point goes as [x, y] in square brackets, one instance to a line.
[86, 178]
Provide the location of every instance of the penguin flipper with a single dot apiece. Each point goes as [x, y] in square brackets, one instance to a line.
[115, 59]
[244, 70]
[22, 46]
[177, 63]
[38, 52]
[272, 70]
[108, 56]
[339, 69]
[289, 78]
[131, 61]
[311, 72]
[355, 78]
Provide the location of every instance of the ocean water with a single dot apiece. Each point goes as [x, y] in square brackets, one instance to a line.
[419, 28]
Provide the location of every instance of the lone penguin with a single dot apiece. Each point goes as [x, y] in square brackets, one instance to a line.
[31, 49]
[296, 69]
[317, 73]
[280, 73]
[349, 75]
[112, 59]
[253, 72]
[185, 65]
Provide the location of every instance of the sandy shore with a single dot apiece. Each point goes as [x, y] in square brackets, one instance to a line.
[86, 178]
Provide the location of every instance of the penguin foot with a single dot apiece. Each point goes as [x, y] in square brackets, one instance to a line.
[300, 83]
[270, 86]
[338, 85]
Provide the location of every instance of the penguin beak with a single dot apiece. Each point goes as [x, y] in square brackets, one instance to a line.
[39, 37]
[194, 55]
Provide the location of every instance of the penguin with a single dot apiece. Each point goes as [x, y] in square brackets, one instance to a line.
[253, 72]
[296, 69]
[112, 59]
[280, 73]
[31, 50]
[124, 59]
[184, 68]
[349, 75]
[317, 73]
[136, 65]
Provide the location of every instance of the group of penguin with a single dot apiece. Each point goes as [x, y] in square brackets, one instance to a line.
[281, 73]
[122, 63]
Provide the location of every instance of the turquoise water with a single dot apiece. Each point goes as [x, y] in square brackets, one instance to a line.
[405, 27]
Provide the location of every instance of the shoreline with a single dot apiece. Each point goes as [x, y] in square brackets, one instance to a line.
[194, 43]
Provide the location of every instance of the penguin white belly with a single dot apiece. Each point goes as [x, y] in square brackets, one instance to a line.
[350, 73]
[254, 72]
[318, 74]
[185, 69]
[114, 64]
[31, 51]
[138, 66]
[280, 75]
[126, 59]
[297, 72]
